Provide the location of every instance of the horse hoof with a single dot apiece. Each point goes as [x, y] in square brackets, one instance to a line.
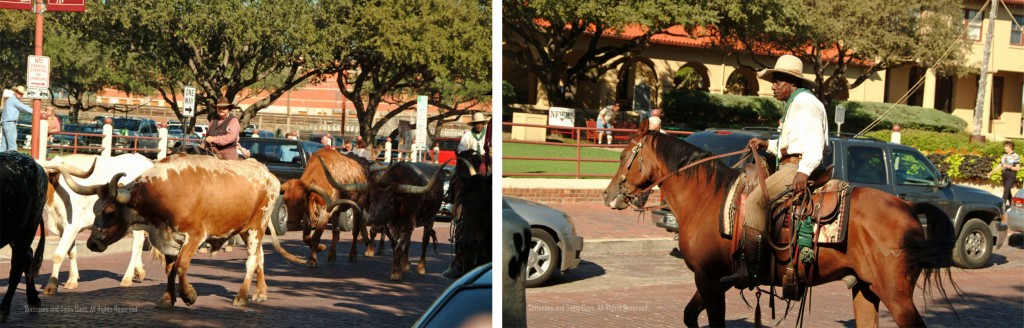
[71, 285]
[240, 300]
[189, 296]
[166, 302]
[311, 263]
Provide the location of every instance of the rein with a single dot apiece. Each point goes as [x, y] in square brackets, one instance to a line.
[684, 168]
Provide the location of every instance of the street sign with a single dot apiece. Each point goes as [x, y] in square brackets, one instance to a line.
[51, 5]
[421, 121]
[37, 93]
[189, 106]
[38, 72]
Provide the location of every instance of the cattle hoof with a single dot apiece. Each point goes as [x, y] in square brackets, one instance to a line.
[259, 297]
[204, 250]
[140, 275]
[51, 287]
[421, 269]
[166, 302]
[189, 295]
[228, 248]
[311, 263]
[396, 277]
[352, 257]
[71, 285]
[126, 282]
[406, 267]
[240, 300]
[369, 253]
[4, 315]
[321, 247]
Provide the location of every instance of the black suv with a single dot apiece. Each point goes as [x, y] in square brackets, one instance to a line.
[896, 169]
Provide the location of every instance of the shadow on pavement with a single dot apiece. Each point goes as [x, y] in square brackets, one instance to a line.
[585, 270]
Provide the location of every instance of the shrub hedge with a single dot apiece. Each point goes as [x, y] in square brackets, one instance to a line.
[954, 156]
[701, 110]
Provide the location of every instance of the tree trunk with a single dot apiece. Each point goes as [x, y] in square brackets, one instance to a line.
[979, 105]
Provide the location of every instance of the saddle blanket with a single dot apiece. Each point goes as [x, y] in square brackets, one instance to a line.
[831, 232]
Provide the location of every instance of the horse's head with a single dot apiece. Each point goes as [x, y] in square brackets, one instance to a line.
[634, 174]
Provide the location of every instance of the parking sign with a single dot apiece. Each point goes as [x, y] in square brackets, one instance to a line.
[38, 72]
[189, 107]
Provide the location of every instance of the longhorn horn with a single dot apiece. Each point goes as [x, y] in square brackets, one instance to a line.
[374, 168]
[74, 171]
[316, 189]
[472, 170]
[339, 202]
[338, 185]
[77, 188]
[120, 195]
[411, 189]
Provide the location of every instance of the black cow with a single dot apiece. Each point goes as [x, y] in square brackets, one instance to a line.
[405, 196]
[22, 197]
[472, 219]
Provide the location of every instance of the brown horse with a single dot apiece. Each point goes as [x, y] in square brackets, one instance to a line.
[886, 248]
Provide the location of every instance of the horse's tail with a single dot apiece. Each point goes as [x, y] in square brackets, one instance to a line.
[932, 255]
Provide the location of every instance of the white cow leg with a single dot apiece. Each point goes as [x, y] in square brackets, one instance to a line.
[66, 237]
[261, 282]
[252, 246]
[136, 269]
[73, 273]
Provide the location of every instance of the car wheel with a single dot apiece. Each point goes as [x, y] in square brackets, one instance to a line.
[279, 218]
[544, 258]
[973, 245]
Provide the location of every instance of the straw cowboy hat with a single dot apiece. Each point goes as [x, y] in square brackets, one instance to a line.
[789, 65]
[479, 117]
[19, 89]
[223, 102]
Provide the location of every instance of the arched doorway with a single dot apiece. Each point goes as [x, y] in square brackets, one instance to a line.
[692, 76]
[636, 72]
[742, 81]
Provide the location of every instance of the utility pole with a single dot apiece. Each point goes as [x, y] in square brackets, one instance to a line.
[979, 104]
[37, 104]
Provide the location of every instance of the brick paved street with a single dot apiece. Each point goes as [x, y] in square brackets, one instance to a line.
[335, 294]
[650, 290]
[596, 221]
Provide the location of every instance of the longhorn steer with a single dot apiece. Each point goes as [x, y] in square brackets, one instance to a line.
[22, 192]
[183, 201]
[67, 213]
[406, 196]
[303, 202]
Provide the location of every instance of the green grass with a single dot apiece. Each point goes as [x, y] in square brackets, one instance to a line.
[535, 166]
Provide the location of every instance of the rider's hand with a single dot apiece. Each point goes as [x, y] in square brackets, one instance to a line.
[800, 183]
[757, 143]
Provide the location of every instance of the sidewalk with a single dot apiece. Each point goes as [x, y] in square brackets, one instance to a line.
[607, 231]
[123, 245]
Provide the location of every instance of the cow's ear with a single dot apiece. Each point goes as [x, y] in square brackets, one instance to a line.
[287, 185]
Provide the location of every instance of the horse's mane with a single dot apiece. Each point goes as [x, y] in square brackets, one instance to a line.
[676, 153]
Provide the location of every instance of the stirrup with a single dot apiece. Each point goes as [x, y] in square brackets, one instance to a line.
[739, 279]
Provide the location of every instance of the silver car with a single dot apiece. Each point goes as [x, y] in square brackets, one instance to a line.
[1015, 216]
[554, 247]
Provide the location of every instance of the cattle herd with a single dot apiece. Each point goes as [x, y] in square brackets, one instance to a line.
[113, 197]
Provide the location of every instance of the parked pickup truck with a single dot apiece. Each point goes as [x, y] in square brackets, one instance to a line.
[286, 159]
[896, 169]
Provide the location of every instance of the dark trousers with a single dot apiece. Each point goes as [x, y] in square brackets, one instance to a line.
[1009, 178]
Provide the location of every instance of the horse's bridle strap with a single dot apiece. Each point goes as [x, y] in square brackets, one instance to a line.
[684, 168]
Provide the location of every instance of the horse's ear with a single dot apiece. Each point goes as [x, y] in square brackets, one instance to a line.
[644, 128]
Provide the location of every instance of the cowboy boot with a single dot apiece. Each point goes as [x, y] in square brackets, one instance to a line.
[746, 250]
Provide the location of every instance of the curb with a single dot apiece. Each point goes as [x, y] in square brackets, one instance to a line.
[123, 245]
[628, 246]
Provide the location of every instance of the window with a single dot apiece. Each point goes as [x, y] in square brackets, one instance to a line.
[973, 25]
[1016, 29]
[866, 165]
[912, 168]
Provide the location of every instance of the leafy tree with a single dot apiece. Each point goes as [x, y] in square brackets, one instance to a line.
[389, 52]
[558, 41]
[235, 48]
[16, 38]
[830, 35]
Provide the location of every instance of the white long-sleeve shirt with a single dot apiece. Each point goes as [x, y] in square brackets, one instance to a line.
[470, 141]
[804, 132]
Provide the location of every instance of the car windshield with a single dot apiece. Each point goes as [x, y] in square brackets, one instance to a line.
[273, 152]
[124, 123]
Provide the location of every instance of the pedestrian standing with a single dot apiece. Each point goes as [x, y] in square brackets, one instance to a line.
[9, 119]
[1010, 164]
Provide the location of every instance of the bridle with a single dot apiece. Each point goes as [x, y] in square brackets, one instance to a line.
[628, 196]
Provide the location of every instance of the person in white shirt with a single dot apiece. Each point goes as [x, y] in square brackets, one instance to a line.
[474, 138]
[800, 148]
